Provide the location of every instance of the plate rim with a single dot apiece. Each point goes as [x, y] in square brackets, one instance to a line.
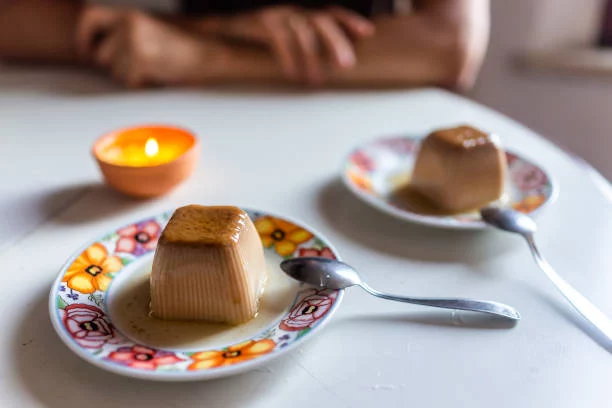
[433, 221]
[185, 376]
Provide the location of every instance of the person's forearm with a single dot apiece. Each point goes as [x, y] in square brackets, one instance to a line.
[422, 49]
[405, 51]
[410, 50]
[39, 30]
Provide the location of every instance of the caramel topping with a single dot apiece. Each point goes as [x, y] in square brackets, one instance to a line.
[196, 224]
[463, 137]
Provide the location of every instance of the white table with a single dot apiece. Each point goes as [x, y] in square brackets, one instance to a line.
[281, 152]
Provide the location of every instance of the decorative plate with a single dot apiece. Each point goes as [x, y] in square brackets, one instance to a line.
[81, 305]
[375, 170]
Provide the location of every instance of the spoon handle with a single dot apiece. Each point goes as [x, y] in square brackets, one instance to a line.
[588, 310]
[483, 306]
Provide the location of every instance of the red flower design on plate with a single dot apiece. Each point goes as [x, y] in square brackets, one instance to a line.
[142, 357]
[363, 161]
[309, 310]
[511, 158]
[529, 177]
[323, 253]
[138, 238]
[87, 325]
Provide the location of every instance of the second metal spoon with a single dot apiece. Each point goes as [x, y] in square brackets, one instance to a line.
[510, 220]
[332, 274]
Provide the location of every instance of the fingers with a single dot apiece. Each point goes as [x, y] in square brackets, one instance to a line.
[126, 71]
[352, 22]
[307, 43]
[339, 47]
[116, 55]
[134, 79]
[106, 51]
[312, 32]
[282, 46]
[94, 24]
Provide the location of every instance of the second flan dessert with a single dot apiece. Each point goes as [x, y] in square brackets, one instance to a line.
[460, 169]
[209, 265]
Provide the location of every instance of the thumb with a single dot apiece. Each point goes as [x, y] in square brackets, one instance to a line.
[94, 24]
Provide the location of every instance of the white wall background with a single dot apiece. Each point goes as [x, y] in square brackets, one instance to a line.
[574, 111]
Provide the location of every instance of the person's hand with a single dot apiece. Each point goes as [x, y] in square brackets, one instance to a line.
[301, 40]
[140, 50]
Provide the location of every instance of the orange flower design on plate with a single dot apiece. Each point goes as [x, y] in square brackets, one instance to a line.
[232, 355]
[89, 272]
[284, 236]
[530, 203]
[363, 183]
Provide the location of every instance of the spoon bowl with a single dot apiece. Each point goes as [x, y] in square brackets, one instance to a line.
[322, 272]
[509, 220]
[332, 274]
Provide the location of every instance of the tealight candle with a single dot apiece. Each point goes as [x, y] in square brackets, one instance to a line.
[146, 161]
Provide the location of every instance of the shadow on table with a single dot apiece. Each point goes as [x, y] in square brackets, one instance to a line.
[56, 377]
[561, 306]
[83, 82]
[84, 203]
[71, 204]
[443, 318]
[54, 80]
[70, 81]
[374, 229]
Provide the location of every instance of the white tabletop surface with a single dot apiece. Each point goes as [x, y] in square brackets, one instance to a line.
[281, 151]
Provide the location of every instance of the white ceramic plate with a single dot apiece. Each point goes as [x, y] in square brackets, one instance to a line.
[90, 298]
[376, 169]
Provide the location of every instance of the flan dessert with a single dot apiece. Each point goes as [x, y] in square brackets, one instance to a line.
[460, 169]
[209, 266]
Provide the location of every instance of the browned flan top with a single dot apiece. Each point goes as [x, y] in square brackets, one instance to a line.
[462, 137]
[203, 225]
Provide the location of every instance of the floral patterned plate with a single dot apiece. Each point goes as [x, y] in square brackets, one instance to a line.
[81, 302]
[375, 170]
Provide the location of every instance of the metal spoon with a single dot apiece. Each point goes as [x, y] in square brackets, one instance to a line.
[332, 274]
[514, 221]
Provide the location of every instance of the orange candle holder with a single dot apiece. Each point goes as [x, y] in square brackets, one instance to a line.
[146, 161]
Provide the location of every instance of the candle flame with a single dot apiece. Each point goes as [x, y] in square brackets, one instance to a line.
[151, 147]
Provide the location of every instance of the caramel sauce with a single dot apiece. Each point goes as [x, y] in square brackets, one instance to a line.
[408, 198]
[130, 313]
